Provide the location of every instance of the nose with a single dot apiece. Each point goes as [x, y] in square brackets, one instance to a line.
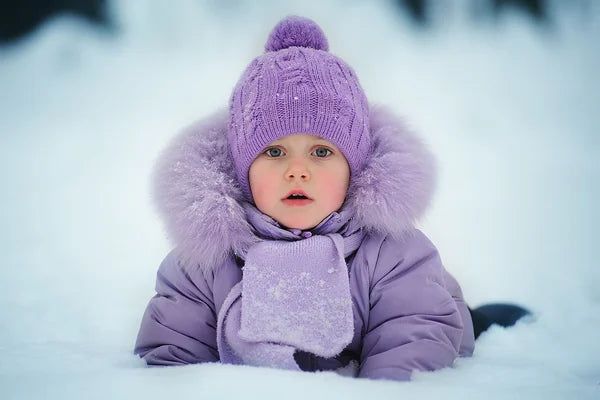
[297, 170]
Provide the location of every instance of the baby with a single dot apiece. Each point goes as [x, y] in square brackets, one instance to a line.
[293, 215]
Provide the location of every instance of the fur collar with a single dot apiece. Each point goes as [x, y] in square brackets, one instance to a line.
[196, 192]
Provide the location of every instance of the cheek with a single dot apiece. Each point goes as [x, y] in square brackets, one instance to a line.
[335, 186]
[263, 186]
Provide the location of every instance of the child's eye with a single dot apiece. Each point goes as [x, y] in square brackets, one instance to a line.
[273, 152]
[322, 152]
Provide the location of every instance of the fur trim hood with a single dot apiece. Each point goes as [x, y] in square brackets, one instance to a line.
[200, 201]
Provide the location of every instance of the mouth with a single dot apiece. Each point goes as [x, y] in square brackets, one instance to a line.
[296, 198]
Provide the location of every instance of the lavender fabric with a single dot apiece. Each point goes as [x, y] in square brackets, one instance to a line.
[297, 86]
[294, 294]
[408, 311]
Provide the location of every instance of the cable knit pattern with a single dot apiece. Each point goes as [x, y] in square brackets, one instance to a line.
[297, 89]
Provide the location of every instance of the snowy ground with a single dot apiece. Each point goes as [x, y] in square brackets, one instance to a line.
[511, 111]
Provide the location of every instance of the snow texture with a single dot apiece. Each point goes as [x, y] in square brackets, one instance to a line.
[509, 108]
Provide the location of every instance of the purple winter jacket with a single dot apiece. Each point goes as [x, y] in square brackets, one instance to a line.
[409, 313]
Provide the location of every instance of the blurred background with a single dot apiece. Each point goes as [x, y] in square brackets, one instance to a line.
[504, 92]
[20, 17]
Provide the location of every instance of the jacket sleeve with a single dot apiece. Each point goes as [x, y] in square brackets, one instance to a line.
[179, 324]
[414, 322]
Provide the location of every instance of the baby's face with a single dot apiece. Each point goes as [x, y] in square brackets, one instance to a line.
[299, 163]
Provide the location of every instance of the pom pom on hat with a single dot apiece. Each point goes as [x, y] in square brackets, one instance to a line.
[296, 31]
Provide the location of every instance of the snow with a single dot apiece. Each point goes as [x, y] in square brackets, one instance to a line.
[509, 108]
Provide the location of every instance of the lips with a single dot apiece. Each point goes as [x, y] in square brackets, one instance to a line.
[297, 197]
[296, 202]
[297, 194]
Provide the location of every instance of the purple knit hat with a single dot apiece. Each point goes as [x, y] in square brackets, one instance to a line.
[297, 86]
